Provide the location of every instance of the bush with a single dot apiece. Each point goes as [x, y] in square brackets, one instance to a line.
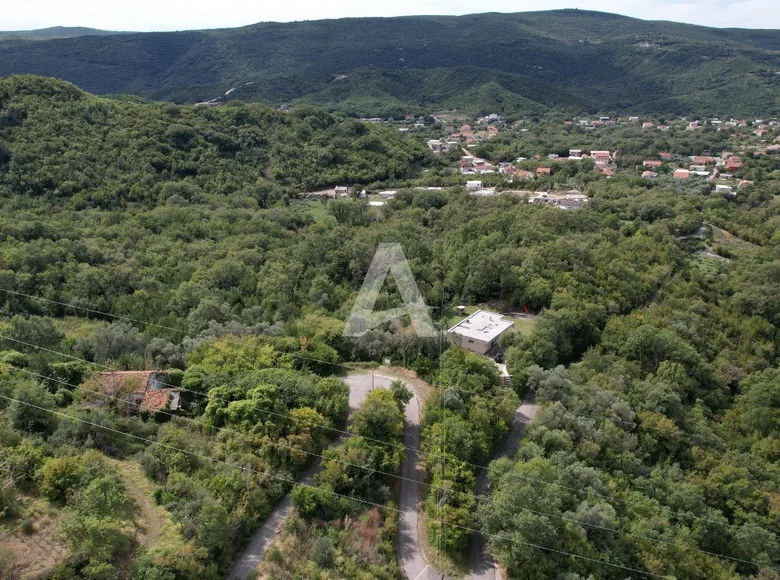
[8, 505]
[101, 538]
[60, 476]
[30, 413]
[313, 502]
[25, 461]
[104, 496]
[27, 526]
[322, 552]
[275, 556]
[116, 340]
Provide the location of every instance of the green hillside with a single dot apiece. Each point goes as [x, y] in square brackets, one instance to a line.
[59, 142]
[571, 60]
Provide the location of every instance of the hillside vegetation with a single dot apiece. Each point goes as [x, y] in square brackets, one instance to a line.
[508, 63]
[145, 236]
[59, 142]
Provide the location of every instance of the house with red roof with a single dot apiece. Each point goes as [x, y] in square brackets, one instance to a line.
[601, 157]
[143, 389]
[543, 171]
[652, 163]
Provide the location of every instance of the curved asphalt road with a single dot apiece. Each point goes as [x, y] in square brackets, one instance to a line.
[482, 565]
[409, 553]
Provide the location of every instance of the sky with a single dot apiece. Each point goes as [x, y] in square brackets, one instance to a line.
[159, 15]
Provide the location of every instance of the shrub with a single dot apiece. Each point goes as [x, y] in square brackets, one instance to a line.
[101, 538]
[275, 556]
[60, 476]
[322, 552]
[30, 413]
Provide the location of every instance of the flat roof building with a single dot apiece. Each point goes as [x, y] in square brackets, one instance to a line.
[480, 331]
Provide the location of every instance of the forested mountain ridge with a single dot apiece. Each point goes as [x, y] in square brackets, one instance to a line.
[59, 142]
[570, 60]
[53, 32]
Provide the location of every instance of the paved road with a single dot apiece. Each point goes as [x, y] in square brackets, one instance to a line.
[410, 555]
[409, 552]
[482, 565]
[359, 387]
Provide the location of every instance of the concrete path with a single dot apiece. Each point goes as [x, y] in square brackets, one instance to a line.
[359, 387]
[409, 553]
[482, 565]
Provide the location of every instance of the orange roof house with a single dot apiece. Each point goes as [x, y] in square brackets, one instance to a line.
[652, 163]
[141, 388]
[682, 174]
[543, 171]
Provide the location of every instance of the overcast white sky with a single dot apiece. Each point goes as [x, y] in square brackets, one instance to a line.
[144, 15]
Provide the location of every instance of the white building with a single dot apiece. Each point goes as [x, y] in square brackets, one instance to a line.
[568, 200]
[438, 145]
[724, 189]
[480, 331]
[473, 186]
[387, 194]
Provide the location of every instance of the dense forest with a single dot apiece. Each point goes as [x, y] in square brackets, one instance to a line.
[512, 64]
[139, 236]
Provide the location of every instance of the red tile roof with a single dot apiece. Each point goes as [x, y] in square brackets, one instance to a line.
[155, 400]
[114, 382]
[152, 399]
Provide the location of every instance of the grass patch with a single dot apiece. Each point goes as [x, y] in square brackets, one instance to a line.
[737, 247]
[74, 327]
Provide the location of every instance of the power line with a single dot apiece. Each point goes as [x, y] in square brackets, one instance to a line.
[209, 396]
[245, 436]
[480, 499]
[419, 452]
[302, 484]
[347, 366]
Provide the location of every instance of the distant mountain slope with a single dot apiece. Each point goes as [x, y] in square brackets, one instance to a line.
[53, 32]
[572, 60]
